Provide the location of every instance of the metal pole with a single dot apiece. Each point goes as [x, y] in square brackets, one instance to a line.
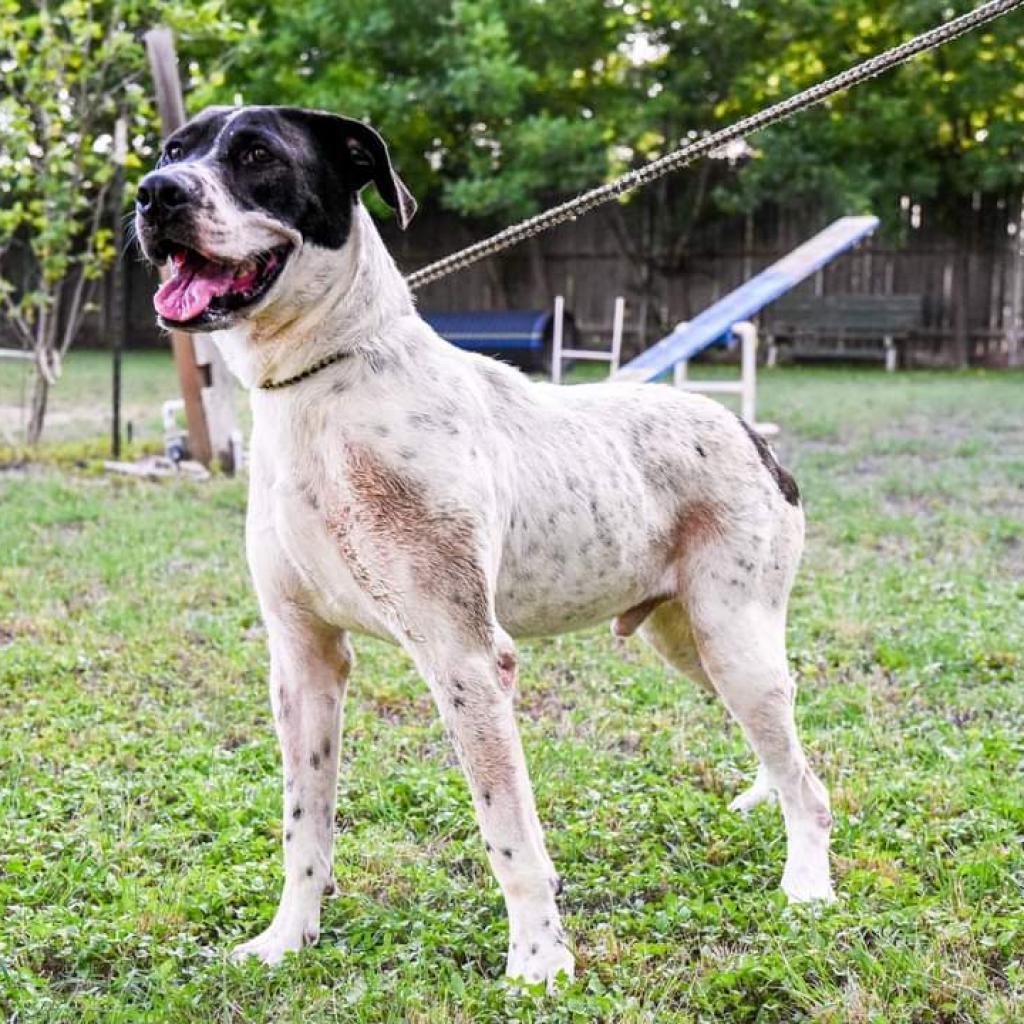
[680, 371]
[748, 369]
[117, 283]
[618, 321]
[556, 341]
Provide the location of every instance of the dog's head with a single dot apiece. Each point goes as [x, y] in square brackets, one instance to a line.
[238, 192]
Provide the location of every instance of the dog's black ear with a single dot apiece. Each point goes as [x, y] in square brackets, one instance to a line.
[361, 156]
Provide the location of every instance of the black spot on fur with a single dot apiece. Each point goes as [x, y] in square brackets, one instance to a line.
[557, 886]
[507, 853]
[287, 837]
[314, 760]
[700, 451]
[488, 847]
[297, 813]
[326, 748]
[785, 483]
[487, 798]
[458, 703]
[534, 949]
[309, 872]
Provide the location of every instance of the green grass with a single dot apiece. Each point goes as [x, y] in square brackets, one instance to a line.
[80, 405]
[139, 787]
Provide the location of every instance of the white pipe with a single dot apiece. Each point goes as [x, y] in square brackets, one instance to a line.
[748, 369]
[556, 341]
[679, 371]
[618, 319]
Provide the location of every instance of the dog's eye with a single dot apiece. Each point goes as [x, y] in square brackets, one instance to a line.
[256, 155]
[172, 151]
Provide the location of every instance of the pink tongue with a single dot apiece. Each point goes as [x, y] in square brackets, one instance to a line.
[189, 290]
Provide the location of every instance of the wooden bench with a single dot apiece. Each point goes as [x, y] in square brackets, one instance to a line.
[843, 326]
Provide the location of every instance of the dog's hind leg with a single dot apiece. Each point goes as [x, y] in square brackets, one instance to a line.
[742, 648]
[309, 669]
[668, 631]
[474, 688]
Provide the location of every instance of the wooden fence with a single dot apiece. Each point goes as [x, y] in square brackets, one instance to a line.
[971, 281]
[971, 278]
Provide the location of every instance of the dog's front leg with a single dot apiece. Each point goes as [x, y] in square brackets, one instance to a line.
[309, 668]
[474, 693]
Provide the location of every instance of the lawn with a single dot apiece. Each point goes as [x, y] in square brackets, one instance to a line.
[139, 777]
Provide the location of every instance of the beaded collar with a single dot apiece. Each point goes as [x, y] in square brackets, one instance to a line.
[273, 385]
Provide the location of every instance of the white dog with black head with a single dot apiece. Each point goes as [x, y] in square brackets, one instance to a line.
[441, 501]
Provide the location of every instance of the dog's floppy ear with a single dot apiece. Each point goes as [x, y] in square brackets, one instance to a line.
[361, 156]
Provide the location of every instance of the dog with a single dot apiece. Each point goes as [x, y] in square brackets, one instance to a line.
[440, 500]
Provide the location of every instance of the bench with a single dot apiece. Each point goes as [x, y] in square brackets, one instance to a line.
[844, 326]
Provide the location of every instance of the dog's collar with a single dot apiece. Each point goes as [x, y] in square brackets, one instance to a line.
[273, 385]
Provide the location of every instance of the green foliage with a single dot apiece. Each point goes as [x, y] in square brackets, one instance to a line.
[945, 125]
[495, 106]
[140, 792]
[70, 70]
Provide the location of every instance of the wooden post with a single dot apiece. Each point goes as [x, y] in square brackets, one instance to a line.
[1014, 316]
[204, 380]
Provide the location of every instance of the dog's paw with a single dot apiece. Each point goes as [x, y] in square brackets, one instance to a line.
[803, 884]
[271, 945]
[759, 793]
[543, 958]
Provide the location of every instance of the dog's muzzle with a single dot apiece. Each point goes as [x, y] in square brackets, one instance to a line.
[201, 290]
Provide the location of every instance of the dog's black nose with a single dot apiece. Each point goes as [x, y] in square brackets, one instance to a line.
[160, 195]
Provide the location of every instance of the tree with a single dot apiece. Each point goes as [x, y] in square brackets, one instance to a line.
[70, 71]
[942, 127]
[496, 107]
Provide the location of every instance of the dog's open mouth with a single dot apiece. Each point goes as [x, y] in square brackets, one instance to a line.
[199, 286]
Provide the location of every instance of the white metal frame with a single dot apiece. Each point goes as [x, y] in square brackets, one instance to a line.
[611, 356]
[745, 387]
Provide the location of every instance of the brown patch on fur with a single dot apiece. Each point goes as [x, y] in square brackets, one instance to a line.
[629, 621]
[438, 544]
[697, 524]
[507, 669]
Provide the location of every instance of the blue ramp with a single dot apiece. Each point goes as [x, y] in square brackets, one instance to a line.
[717, 320]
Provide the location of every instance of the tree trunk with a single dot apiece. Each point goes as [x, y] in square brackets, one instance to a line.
[37, 414]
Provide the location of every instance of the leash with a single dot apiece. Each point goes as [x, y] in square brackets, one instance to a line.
[684, 155]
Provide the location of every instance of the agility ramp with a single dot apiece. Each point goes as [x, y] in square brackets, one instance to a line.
[717, 321]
